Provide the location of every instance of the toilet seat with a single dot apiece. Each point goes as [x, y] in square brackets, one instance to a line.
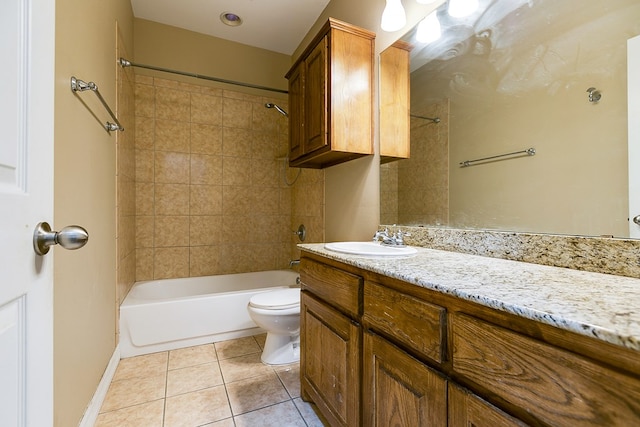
[276, 300]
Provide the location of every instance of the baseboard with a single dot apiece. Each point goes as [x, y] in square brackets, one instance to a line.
[91, 414]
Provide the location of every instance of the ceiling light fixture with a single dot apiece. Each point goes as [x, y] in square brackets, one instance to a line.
[230, 19]
[462, 8]
[429, 29]
[426, 1]
[393, 17]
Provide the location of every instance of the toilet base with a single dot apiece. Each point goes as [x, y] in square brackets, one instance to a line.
[281, 349]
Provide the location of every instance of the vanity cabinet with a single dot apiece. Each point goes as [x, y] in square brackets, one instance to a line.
[331, 97]
[394, 102]
[379, 351]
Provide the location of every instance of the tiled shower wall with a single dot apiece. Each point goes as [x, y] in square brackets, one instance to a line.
[210, 193]
[125, 180]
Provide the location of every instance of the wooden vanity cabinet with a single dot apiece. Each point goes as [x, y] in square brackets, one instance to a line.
[395, 134]
[331, 97]
[399, 354]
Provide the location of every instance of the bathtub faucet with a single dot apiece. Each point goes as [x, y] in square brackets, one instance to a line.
[294, 262]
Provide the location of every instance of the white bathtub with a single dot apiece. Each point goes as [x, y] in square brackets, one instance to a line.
[167, 314]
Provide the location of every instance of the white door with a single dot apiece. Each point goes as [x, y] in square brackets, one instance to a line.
[633, 96]
[27, 30]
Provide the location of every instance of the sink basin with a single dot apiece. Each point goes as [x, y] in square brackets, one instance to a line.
[369, 249]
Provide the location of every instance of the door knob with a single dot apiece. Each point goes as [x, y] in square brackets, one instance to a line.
[71, 237]
[636, 219]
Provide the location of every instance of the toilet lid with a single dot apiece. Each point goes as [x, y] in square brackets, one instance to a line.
[281, 299]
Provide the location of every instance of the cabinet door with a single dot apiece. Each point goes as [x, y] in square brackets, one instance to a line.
[330, 362]
[399, 390]
[315, 97]
[468, 410]
[296, 112]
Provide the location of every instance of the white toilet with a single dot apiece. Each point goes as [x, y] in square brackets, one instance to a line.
[278, 312]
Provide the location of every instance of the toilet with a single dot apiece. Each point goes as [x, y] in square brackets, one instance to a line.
[278, 313]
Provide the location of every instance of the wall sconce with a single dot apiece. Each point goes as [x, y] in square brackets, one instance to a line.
[429, 29]
[393, 17]
[462, 8]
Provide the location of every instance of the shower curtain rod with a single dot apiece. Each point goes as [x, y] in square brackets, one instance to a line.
[126, 63]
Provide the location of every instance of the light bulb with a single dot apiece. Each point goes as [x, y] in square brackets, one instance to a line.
[393, 17]
[462, 8]
[429, 29]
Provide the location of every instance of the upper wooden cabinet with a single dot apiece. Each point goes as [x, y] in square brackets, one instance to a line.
[394, 102]
[331, 98]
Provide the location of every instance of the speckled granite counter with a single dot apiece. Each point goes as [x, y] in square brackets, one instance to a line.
[599, 305]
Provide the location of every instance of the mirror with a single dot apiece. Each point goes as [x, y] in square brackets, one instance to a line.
[515, 75]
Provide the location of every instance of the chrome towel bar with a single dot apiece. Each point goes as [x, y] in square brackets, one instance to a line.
[528, 152]
[78, 85]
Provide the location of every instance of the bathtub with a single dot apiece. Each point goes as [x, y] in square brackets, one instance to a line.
[167, 314]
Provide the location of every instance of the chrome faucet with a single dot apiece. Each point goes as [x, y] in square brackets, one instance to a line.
[294, 262]
[396, 239]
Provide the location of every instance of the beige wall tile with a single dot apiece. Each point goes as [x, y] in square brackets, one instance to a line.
[171, 231]
[144, 264]
[204, 261]
[206, 169]
[206, 109]
[264, 172]
[172, 104]
[172, 135]
[236, 171]
[236, 200]
[171, 199]
[205, 230]
[144, 165]
[236, 142]
[145, 194]
[206, 200]
[170, 263]
[142, 79]
[145, 100]
[237, 113]
[264, 200]
[206, 139]
[144, 132]
[171, 167]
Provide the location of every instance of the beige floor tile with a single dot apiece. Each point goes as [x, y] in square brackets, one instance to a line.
[197, 408]
[311, 417]
[290, 377]
[193, 378]
[222, 423]
[243, 367]
[261, 339]
[147, 365]
[125, 393]
[256, 393]
[281, 415]
[192, 356]
[147, 414]
[237, 347]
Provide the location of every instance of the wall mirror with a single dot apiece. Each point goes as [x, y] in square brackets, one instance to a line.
[514, 77]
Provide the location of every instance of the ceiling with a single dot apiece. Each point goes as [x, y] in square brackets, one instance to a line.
[276, 25]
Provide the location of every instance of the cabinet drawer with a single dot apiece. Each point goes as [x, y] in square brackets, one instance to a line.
[558, 387]
[416, 323]
[337, 287]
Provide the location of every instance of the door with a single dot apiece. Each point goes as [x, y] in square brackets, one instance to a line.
[633, 89]
[26, 197]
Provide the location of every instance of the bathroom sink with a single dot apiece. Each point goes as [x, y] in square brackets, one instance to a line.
[369, 249]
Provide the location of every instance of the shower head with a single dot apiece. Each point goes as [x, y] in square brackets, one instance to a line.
[277, 107]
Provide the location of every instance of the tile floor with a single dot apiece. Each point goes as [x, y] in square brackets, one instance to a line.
[220, 385]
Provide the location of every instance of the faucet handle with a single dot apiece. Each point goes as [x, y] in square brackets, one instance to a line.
[400, 235]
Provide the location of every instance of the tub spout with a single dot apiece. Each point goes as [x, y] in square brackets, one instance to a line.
[294, 262]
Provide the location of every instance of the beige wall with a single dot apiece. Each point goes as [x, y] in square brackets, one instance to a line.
[84, 194]
[352, 188]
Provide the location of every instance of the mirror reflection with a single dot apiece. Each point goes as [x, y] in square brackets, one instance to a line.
[533, 95]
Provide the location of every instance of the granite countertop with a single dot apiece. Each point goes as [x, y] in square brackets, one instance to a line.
[603, 306]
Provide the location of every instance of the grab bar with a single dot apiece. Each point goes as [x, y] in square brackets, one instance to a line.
[78, 85]
[529, 152]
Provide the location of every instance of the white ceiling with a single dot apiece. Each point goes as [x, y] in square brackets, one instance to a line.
[276, 25]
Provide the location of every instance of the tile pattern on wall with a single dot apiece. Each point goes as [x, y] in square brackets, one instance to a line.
[210, 193]
[125, 180]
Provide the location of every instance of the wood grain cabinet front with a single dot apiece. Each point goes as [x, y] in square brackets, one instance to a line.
[330, 361]
[331, 97]
[556, 386]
